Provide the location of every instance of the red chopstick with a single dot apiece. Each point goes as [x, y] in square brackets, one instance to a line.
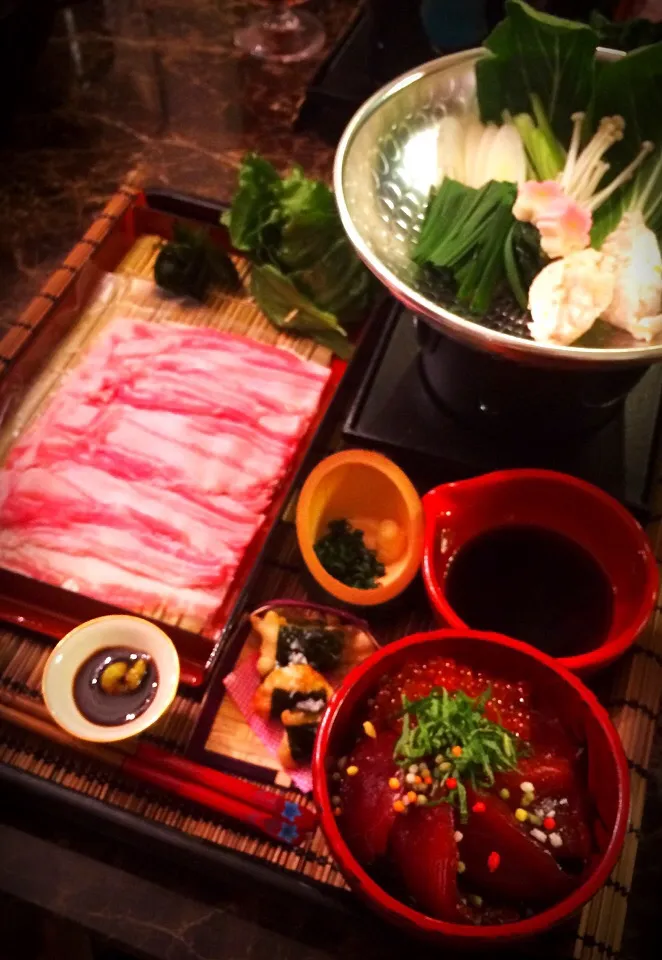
[277, 828]
[279, 817]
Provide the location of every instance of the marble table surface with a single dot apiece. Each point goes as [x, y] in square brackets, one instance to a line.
[153, 91]
[147, 90]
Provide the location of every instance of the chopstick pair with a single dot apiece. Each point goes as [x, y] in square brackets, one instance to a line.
[274, 815]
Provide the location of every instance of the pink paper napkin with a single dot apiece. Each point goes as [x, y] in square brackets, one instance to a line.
[241, 684]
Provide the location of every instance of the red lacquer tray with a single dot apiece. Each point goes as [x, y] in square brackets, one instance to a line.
[26, 350]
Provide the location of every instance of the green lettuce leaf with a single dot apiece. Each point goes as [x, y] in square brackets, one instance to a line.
[255, 216]
[532, 54]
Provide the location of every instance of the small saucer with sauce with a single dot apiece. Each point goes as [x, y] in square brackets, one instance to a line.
[111, 678]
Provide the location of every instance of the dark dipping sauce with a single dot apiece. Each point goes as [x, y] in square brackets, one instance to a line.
[532, 584]
[113, 709]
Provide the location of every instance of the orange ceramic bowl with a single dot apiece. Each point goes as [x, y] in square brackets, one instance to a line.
[360, 483]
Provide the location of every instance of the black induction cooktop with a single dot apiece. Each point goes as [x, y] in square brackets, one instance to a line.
[394, 411]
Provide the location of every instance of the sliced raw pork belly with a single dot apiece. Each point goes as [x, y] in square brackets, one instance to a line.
[147, 476]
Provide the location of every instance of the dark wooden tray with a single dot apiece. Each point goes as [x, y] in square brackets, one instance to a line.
[25, 352]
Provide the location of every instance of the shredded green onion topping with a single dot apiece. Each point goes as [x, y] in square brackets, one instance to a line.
[434, 725]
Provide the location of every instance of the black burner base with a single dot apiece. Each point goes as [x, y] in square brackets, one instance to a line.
[507, 399]
[395, 411]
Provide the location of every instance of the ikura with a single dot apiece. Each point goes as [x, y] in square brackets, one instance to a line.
[508, 705]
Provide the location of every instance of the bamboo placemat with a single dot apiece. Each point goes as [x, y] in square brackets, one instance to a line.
[633, 698]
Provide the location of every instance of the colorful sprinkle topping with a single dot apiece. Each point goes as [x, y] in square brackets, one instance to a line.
[352, 771]
[493, 861]
[521, 815]
[549, 823]
[478, 807]
[394, 783]
[369, 729]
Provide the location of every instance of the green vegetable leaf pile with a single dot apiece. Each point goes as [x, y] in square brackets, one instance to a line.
[344, 555]
[533, 54]
[434, 725]
[191, 264]
[305, 277]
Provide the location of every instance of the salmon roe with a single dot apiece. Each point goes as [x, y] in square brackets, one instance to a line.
[509, 704]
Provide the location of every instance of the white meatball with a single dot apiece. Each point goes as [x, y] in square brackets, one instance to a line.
[568, 295]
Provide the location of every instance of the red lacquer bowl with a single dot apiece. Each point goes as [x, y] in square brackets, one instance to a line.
[553, 687]
[457, 512]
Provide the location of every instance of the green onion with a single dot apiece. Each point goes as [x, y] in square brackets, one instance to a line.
[544, 152]
[464, 231]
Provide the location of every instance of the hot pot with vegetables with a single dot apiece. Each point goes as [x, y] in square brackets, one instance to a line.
[510, 197]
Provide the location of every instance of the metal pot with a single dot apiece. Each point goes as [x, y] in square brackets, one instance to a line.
[385, 165]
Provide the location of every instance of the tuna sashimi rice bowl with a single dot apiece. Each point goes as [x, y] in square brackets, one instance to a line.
[469, 787]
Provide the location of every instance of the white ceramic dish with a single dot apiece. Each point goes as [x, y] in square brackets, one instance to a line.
[84, 641]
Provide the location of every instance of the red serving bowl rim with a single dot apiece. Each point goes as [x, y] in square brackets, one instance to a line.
[370, 890]
[607, 652]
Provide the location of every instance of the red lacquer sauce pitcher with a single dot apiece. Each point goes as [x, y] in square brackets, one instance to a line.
[456, 513]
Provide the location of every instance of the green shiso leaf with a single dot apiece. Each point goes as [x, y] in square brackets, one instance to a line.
[290, 310]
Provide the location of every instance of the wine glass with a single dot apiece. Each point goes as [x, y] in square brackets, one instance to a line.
[281, 34]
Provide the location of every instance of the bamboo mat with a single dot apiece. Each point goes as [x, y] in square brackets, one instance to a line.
[633, 698]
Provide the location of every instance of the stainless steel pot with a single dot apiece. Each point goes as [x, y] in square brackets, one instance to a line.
[385, 165]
